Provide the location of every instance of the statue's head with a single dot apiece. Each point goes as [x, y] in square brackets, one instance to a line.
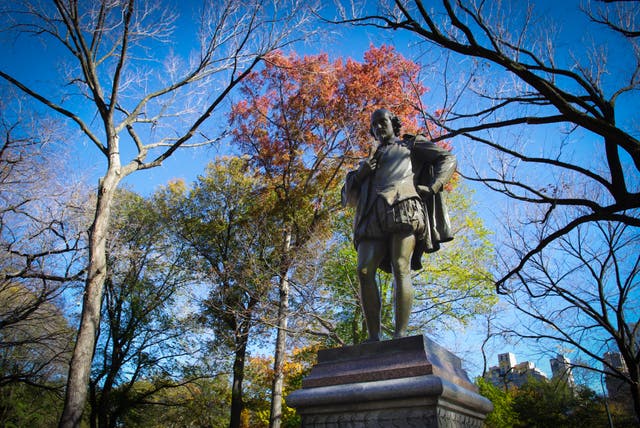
[395, 121]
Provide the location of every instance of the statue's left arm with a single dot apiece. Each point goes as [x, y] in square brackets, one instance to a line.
[441, 160]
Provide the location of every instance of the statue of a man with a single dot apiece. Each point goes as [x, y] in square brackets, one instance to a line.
[400, 214]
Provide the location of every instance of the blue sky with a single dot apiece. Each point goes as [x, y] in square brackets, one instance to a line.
[34, 63]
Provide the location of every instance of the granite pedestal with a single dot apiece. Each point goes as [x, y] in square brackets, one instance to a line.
[408, 382]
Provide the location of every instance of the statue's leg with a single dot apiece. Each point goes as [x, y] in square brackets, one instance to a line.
[370, 254]
[401, 250]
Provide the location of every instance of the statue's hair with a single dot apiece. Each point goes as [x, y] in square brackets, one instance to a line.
[395, 122]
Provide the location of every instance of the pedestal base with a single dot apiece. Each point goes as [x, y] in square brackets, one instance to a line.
[409, 382]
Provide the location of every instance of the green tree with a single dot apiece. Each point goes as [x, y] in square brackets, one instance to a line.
[34, 353]
[542, 403]
[260, 375]
[224, 220]
[200, 403]
[24, 405]
[144, 334]
[503, 414]
[456, 283]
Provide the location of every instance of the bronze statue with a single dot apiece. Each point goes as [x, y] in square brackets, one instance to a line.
[400, 214]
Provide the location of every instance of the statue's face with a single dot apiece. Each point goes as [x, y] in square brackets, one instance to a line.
[381, 126]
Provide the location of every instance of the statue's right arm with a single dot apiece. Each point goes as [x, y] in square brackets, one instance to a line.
[351, 190]
[354, 180]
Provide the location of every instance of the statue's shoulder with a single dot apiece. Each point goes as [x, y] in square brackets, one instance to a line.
[411, 140]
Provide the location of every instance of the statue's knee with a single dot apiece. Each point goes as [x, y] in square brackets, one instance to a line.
[401, 267]
[364, 271]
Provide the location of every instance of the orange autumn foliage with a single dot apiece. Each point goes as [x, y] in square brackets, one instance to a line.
[259, 377]
[303, 119]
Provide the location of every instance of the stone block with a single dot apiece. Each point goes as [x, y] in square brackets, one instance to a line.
[408, 382]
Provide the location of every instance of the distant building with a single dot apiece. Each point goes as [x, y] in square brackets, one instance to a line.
[615, 359]
[506, 361]
[561, 369]
[617, 389]
[509, 373]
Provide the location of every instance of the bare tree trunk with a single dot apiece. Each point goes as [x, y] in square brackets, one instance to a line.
[275, 420]
[105, 412]
[236, 388]
[635, 391]
[238, 375]
[80, 366]
[93, 404]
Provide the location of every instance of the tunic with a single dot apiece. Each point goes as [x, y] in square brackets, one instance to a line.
[388, 195]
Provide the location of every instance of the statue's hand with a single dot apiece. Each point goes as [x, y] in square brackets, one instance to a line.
[367, 167]
[424, 191]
